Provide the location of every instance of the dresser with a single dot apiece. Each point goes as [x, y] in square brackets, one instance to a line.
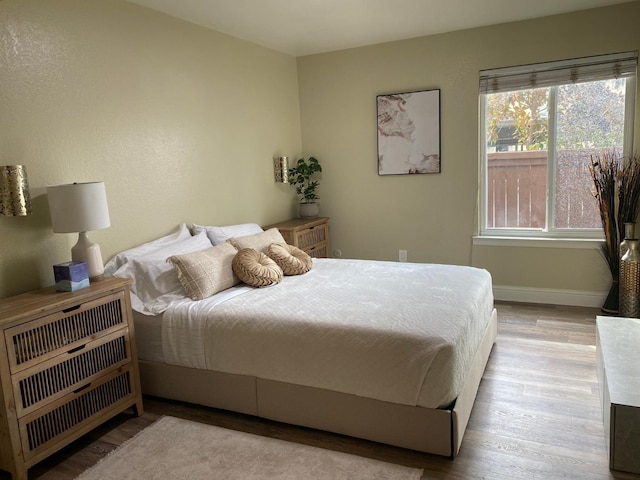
[617, 344]
[67, 364]
[308, 234]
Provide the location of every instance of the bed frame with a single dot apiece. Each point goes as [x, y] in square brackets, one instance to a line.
[437, 431]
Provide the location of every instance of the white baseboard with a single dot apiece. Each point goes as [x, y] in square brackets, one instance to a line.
[578, 298]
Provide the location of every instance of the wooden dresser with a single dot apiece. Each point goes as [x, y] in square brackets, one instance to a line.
[308, 234]
[67, 364]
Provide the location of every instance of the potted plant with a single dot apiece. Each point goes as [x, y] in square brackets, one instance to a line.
[300, 177]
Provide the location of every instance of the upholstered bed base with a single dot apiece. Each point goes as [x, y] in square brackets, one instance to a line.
[437, 431]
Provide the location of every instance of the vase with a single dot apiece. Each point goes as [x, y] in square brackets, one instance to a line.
[629, 232]
[308, 210]
[612, 302]
[630, 280]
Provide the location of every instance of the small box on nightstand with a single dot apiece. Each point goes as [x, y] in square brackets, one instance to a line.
[71, 276]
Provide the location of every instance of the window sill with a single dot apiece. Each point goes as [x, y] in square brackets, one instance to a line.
[574, 243]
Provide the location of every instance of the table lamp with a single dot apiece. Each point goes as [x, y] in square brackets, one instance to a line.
[81, 208]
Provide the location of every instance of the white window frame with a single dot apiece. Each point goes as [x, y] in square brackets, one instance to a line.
[570, 238]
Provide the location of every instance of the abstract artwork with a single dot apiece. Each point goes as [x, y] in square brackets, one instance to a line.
[409, 132]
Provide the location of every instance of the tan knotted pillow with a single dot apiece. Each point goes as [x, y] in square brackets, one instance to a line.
[255, 268]
[290, 259]
[206, 272]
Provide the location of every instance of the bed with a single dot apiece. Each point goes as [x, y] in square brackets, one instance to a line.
[384, 351]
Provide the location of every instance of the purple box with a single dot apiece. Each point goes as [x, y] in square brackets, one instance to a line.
[71, 276]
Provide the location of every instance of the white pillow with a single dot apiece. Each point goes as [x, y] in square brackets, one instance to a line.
[155, 282]
[125, 256]
[219, 235]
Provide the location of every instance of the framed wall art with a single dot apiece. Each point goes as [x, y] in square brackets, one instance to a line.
[409, 132]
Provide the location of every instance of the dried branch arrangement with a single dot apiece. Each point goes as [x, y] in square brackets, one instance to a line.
[616, 182]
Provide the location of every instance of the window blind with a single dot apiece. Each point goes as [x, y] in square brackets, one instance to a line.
[563, 72]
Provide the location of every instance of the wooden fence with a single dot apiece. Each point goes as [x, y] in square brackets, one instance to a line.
[517, 189]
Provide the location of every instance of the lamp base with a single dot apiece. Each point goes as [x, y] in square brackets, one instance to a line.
[89, 252]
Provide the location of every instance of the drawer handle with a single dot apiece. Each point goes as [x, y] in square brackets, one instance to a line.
[84, 387]
[71, 309]
[77, 349]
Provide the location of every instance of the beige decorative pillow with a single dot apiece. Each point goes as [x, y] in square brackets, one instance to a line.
[259, 241]
[255, 268]
[290, 259]
[206, 272]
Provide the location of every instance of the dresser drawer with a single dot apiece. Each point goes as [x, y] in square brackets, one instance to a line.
[38, 340]
[318, 251]
[311, 236]
[76, 412]
[68, 371]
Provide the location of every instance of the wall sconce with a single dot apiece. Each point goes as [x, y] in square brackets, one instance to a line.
[15, 199]
[81, 208]
[281, 169]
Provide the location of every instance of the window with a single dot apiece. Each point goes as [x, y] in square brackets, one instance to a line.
[542, 123]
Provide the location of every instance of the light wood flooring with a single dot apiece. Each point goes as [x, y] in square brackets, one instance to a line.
[537, 414]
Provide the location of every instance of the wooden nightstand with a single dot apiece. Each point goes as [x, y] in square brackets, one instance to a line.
[308, 234]
[67, 364]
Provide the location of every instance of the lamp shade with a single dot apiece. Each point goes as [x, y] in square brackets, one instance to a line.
[78, 207]
[15, 200]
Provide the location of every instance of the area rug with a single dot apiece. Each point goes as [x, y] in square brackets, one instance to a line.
[173, 448]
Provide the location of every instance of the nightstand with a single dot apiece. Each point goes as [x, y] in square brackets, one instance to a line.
[308, 234]
[67, 364]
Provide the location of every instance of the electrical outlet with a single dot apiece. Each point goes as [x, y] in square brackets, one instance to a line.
[402, 255]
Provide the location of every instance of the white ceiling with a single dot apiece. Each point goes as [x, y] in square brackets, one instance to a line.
[303, 27]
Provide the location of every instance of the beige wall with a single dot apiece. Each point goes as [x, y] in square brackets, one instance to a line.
[180, 122]
[435, 216]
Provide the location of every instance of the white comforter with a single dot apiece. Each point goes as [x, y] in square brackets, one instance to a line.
[398, 332]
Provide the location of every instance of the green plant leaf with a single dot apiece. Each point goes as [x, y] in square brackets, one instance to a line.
[300, 177]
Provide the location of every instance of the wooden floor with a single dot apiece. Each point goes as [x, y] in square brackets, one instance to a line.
[537, 414]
